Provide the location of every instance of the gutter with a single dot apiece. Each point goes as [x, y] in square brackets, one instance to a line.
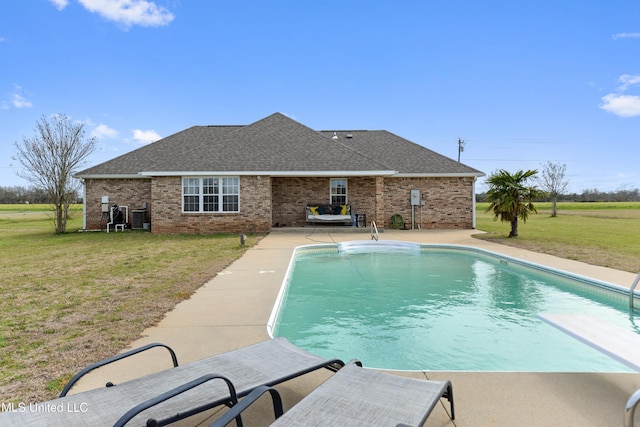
[342, 173]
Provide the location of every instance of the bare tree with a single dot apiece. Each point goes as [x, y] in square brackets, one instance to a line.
[554, 183]
[51, 157]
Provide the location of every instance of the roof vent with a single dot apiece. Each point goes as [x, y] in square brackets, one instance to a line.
[335, 135]
[349, 135]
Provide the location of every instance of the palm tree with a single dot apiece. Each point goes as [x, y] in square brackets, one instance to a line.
[510, 198]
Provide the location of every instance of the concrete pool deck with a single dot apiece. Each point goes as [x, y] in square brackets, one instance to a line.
[233, 308]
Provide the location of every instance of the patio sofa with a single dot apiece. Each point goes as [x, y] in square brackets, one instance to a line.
[318, 213]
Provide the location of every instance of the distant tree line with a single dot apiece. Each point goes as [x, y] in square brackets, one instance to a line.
[593, 195]
[590, 195]
[17, 195]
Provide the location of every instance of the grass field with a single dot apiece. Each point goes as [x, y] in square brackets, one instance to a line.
[606, 234]
[72, 299]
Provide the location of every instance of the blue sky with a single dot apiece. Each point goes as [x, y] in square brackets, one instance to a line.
[523, 83]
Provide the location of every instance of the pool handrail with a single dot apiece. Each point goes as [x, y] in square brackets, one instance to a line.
[630, 409]
[374, 228]
[632, 290]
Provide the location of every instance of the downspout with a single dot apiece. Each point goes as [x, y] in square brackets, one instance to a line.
[473, 203]
[84, 204]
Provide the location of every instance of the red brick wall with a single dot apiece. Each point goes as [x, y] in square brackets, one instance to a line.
[292, 195]
[254, 215]
[271, 202]
[449, 202]
[124, 192]
[362, 196]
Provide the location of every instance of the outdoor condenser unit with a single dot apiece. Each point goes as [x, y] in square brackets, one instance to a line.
[138, 218]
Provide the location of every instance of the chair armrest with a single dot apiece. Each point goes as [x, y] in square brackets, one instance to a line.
[233, 399]
[115, 358]
[335, 365]
[236, 411]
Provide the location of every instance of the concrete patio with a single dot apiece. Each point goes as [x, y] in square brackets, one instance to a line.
[232, 310]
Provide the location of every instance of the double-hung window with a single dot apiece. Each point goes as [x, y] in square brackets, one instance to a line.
[211, 194]
[338, 191]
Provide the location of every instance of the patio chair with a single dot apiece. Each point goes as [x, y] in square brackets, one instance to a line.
[210, 382]
[353, 397]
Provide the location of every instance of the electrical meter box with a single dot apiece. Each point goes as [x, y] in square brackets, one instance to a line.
[415, 197]
[105, 204]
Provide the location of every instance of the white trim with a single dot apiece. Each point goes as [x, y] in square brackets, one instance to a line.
[112, 176]
[84, 205]
[438, 175]
[473, 204]
[201, 194]
[270, 173]
[346, 189]
[337, 174]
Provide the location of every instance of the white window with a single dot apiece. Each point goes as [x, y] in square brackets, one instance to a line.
[338, 191]
[211, 194]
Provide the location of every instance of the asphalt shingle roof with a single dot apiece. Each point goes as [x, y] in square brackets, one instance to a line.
[400, 154]
[278, 144]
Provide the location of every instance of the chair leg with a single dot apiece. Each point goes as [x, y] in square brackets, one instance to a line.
[449, 397]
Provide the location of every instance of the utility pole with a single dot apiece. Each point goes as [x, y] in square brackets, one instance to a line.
[460, 147]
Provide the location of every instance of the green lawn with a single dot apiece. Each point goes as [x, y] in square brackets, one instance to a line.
[72, 299]
[606, 234]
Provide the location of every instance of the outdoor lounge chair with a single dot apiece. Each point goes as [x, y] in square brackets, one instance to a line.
[210, 382]
[353, 397]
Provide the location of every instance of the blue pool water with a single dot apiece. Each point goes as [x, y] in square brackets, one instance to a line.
[410, 307]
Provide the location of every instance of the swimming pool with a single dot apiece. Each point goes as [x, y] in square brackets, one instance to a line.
[405, 306]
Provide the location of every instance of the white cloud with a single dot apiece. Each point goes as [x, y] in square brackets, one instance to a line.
[628, 80]
[621, 105]
[18, 100]
[104, 131]
[59, 4]
[145, 136]
[626, 36]
[129, 12]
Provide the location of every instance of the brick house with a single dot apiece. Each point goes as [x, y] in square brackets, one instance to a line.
[250, 179]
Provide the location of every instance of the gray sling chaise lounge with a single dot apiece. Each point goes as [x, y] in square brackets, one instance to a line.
[355, 396]
[208, 385]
